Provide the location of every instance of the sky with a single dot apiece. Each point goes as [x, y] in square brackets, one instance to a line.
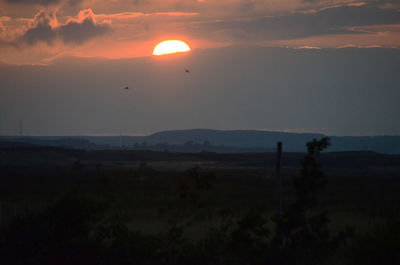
[326, 66]
[38, 31]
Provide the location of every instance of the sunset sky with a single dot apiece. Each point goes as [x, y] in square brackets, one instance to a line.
[37, 31]
[328, 66]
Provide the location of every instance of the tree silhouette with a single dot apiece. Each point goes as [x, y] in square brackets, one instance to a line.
[302, 234]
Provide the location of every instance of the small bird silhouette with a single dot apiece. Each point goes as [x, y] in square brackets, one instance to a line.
[187, 71]
[127, 88]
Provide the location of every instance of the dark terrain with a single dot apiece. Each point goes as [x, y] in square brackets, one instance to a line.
[220, 141]
[174, 203]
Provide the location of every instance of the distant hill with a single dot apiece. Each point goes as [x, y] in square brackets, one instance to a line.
[266, 140]
[234, 141]
[380, 144]
[237, 138]
[53, 141]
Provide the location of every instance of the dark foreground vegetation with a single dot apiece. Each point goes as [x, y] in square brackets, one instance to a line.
[60, 206]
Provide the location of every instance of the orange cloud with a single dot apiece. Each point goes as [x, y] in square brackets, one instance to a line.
[309, 47]
[357, 4]
[132, 15]
[42, 2]
[390, 6]
[82, 16]
[2, 29]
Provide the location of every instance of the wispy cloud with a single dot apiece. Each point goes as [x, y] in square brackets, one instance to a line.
[308, 47]
[42, 2]
[133, 15]
[338, 20]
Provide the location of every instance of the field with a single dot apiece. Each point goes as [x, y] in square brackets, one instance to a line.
[152, 192]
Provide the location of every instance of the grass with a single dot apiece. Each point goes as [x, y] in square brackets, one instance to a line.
[152, 196]
[141, 191]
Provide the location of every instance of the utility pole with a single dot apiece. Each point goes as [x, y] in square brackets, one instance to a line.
[279, 181]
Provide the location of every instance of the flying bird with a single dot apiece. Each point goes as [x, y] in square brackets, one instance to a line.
[126, 88]
[187, 71]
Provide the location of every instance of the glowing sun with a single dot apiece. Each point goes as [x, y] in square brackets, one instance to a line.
[170, 46]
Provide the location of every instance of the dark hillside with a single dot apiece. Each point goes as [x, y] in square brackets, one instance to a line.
[26, 156]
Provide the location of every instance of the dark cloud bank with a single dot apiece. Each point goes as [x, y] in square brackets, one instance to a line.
[336, 20]
[73, 32]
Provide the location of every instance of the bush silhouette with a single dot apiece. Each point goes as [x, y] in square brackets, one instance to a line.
[59, 235]
[377, 246]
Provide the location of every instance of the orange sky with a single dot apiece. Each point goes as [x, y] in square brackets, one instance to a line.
[37, 31]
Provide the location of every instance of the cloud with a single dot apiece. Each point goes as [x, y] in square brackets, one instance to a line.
[83, 28]
[390, 5]
[337, 20]
[3, 42]
[127, 23]
[41, 28]
[2, 29]
[43, 2]
[134, 15]
[45, 28]
[308, 48]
